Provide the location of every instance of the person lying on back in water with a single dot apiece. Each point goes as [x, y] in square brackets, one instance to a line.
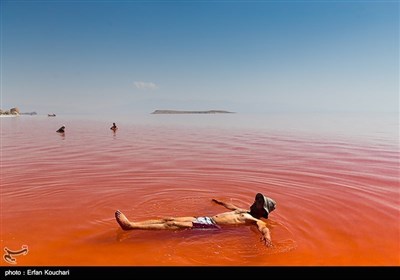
[261, 207]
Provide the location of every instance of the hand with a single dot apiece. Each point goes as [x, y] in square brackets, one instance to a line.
[267, 242]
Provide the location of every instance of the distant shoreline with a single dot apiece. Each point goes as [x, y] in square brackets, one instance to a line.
[191, 112]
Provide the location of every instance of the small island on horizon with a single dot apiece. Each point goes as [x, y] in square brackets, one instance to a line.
[15, 112]
[191, 112]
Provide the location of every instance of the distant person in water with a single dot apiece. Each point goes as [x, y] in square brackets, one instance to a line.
[114, 127]
[261, 207]
[61, 129]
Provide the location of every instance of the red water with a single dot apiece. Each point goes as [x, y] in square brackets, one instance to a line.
[337, 194]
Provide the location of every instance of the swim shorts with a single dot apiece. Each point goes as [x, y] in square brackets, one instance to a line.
[205, 222]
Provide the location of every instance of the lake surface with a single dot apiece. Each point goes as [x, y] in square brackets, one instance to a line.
[335, 179]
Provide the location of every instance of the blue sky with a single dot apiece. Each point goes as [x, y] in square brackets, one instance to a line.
[72, 57]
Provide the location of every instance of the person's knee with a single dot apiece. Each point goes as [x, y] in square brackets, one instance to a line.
[170, 224]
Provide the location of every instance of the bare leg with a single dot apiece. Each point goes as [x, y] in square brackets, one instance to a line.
[178, 223]
[168, 219]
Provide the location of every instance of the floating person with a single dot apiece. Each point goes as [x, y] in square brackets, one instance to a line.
[61, 129]
[261, 208]
[114, 127]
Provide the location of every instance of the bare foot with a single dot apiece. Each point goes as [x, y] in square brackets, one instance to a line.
[122, 220]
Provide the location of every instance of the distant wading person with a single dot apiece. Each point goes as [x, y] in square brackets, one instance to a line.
[61, 129]
[261, 207]
[114, 127]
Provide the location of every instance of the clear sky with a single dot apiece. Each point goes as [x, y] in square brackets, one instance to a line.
[71, 57]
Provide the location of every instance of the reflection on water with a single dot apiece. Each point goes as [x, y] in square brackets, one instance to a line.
[335, 180]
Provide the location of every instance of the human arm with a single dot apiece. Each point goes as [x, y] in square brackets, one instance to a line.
[265, 233]
[227, 205]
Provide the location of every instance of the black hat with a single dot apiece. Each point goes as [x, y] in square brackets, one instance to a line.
[268, 204]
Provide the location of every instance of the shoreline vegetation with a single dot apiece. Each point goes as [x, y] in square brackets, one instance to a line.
[191, 112]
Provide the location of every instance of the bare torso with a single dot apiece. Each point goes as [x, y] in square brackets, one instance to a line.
[234, 218]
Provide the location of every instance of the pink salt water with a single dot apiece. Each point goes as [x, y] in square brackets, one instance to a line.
[335, 180]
